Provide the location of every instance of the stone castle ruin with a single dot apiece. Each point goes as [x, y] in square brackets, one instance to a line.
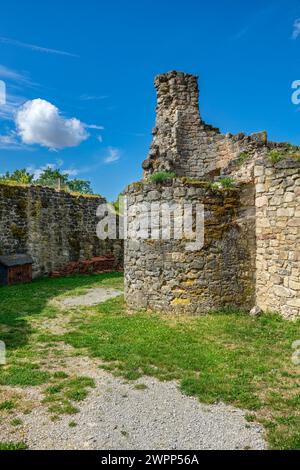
[57, 229]
[251, 252]
[249, 188]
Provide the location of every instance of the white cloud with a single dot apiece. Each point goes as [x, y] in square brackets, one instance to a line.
[71, 172]
[33, 47]
[7, 142]
[37, 171]
[113, 155]
[40, 122]
[21, 78]
[13, 80]
[6, 72]
[8, 110]
[10, 141]
[6, 139]
[86, 97]
[296, 31]
[94, 126]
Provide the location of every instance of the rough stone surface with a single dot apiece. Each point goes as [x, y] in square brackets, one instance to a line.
[184, 143]
[278, 237]
[256, 311]
[163, 274]
[54, 227]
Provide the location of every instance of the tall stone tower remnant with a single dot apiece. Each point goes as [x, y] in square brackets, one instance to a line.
[182, 141]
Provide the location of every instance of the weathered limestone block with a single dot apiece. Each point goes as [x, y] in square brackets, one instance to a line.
[278, 228]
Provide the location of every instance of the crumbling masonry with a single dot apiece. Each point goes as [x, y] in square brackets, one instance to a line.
[251, 252]
[57, 229]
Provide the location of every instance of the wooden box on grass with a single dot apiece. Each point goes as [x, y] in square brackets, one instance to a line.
[15, 269]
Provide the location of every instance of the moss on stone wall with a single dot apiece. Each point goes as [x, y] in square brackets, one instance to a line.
[165, 274]
[53, 227]
[18, 232]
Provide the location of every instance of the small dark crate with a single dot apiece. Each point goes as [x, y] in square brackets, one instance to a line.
[15, 269]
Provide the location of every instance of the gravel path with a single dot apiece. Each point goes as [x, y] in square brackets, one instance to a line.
[146, 414]
[117, 415]
[92, 297]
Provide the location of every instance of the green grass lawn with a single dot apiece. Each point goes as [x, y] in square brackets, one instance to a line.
[226, 357]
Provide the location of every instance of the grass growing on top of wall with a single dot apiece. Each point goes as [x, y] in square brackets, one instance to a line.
[162, 176]
[226, 357]
[276, 155]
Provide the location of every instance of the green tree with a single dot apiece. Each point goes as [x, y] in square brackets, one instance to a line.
[118, 204]
[55, 178]
[18, 176]
[52, 177]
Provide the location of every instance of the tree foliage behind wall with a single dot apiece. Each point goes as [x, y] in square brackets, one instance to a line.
[49, 177]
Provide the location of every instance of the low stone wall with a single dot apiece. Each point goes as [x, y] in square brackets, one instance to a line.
[278, 236]
[55, 228]
[162, 274]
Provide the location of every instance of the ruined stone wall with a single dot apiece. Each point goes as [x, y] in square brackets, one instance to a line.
[54, 227]
[278, 236]
[251, 255]
[182, 142]
[163, 275]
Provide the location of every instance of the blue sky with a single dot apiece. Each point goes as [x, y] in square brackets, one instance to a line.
[96, 60]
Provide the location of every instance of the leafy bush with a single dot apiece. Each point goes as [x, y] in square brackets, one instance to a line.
[226, 182]
[161, 176]
[52, 178]
[118, 204]
[275, 156]
[79, 186]
[18, 176]
[242, 158]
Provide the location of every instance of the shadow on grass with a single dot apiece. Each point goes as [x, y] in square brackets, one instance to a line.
[21, 302]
